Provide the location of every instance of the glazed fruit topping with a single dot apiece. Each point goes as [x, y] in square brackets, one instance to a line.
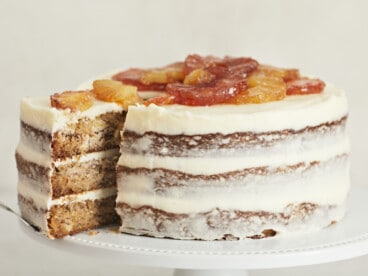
[161, 100]
[217, 82]
[209, 80]
[73, 100]
[168, 74]
[285, 74]
[104, 90]
[133, 76]
[304, 86]
[198, 76]
[154, 79]
[263, 86]
[197, 81]
[193, 62]
[115, 91]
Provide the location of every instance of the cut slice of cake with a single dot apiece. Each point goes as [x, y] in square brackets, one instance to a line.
[66, 162]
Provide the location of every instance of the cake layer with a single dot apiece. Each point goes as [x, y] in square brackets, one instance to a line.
[70, 176]
[292, 152]
[293, 112]
[36, 206]
[76, 177]
[259, 188]
[44, 201]
[218, 224]
[85, 136]
[38, 139]
[75, 216]
[89, 135]
[216, 144]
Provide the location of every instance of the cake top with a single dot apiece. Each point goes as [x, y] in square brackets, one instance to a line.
[293, 112]
[196, 81]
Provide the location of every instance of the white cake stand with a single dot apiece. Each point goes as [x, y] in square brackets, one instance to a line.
[344, 240]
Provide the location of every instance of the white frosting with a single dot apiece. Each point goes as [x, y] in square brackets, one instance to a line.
[42, 200]
[44, 159]
[255, 192]
[37, 112]
[29, 153]
[293, 112]
[286, 153]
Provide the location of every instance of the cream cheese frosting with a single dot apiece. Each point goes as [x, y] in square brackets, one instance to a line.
[43, 200]
[45, 160]
[293, 112]
[37, 112]
[268, 193]
[208, 165]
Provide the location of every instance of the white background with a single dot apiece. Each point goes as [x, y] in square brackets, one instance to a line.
[51, 46]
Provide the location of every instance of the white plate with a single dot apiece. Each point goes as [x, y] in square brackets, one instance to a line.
[344, 240]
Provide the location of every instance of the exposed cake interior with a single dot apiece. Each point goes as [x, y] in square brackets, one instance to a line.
[66, 164]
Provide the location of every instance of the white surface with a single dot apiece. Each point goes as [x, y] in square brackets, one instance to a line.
[51, 46]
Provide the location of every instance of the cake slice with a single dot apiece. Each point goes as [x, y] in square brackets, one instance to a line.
[66, 159]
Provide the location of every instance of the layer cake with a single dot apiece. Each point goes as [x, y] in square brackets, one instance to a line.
[210, 149]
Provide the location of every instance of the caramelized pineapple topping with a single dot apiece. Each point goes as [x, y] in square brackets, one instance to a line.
[104, 90]
[198, 81]
[199, 76]
[115, 91]
[263, 86]
[73, 100]
[169, 74]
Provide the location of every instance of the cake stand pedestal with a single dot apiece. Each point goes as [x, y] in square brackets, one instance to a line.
[344, 240]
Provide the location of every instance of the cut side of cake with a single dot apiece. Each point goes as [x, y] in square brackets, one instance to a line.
[66, 164]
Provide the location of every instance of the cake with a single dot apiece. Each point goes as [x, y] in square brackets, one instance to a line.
[227, 149]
